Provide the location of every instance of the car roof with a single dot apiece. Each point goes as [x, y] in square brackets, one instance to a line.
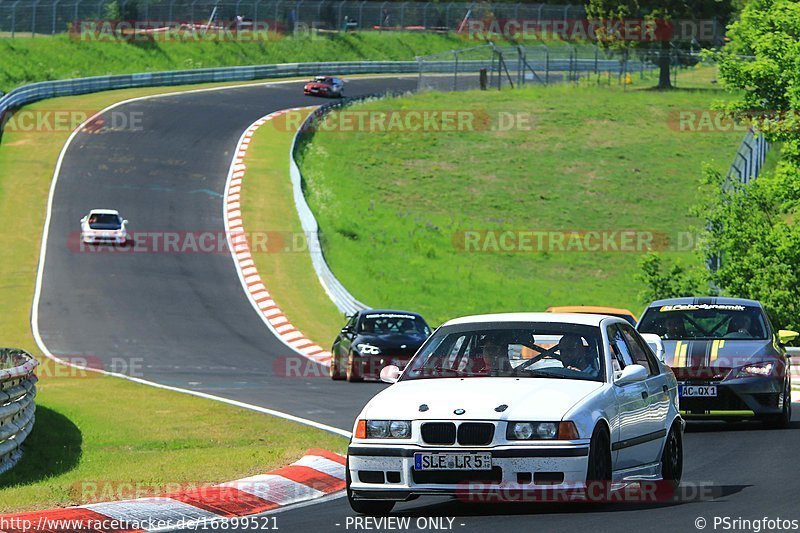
[590, 309]
[556, 318]
[706, 300]
[104, 212]
[389, 311]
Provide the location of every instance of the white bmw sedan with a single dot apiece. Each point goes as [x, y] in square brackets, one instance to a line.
[104, 226]
[531, 401]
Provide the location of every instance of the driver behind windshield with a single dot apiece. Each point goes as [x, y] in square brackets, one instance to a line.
[673, 327]
[576, 356]
[487, 356]
[739, 327]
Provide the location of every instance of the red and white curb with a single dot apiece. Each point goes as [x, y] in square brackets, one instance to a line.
[317, 474]
[254, 286]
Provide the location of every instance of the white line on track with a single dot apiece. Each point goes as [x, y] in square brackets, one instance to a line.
[43, 256]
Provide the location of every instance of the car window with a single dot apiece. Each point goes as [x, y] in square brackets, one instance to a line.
[705, 321]
[393, 324]
[529, 350]
[619, 348]
[104, 221]
[638, 350]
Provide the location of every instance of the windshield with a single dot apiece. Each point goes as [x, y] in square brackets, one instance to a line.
[705, 321]
[547, 350]
[104, 221]
[393, 323]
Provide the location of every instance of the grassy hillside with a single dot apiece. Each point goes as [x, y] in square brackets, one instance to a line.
[25, 60]
[393, 207]
[95, 435]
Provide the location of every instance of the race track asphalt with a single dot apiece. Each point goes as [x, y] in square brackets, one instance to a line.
[183, 320]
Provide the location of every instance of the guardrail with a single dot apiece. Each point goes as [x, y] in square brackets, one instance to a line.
[17, 408]
[341, 297]
[34, 92]
[749, 158]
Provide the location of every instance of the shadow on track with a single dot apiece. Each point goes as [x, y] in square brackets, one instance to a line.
[688, 493]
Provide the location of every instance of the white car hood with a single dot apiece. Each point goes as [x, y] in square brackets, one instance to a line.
[538, 399]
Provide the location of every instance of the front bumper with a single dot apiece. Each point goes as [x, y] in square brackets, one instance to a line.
[103, 239]
[370, 366]
[736, 398]
[387, 472]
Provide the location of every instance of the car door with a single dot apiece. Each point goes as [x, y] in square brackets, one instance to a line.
[658, 399]
[345, 339]
[633, 406]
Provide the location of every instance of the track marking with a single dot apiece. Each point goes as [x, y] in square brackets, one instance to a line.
[236, 166]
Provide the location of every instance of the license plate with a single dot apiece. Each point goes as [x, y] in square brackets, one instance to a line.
[698, 391]
[452, 461]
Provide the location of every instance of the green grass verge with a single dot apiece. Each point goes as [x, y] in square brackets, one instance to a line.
[390, 206]
[29, 60]
[268, 206]
[96, 429]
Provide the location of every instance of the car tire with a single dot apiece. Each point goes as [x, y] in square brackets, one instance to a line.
[353, 371]
[672, 457]
[337, 372]
[366, 507]
[782, 420]
[599, 469]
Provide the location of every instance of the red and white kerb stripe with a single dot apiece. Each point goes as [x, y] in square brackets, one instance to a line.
[254, 285]
[317, 474]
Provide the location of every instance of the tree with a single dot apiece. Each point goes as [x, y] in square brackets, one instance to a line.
[658, 12]
[665, 281]
[754, 227]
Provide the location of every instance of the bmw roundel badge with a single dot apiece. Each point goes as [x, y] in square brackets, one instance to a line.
[459, 412]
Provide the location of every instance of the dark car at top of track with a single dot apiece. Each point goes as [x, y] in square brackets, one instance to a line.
[324, 86]
[729, 361]
[375, 338]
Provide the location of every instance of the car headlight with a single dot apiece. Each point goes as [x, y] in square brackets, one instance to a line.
[541, 431]
[388, 429]
[762, 370]
[368, 349]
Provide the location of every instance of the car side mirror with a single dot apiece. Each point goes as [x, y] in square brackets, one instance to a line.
[347, 329]
[655, 343]
[125, 221]
[83, 219]
[390, 374]
[786, 336]
[631, 374]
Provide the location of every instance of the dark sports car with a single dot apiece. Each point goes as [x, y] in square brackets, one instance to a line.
[324, 86]
[373, 339]
[728, 359]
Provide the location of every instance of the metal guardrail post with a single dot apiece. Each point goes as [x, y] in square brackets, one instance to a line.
[14, 18]
[53, 25]
[455, 69]
[33, 18]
